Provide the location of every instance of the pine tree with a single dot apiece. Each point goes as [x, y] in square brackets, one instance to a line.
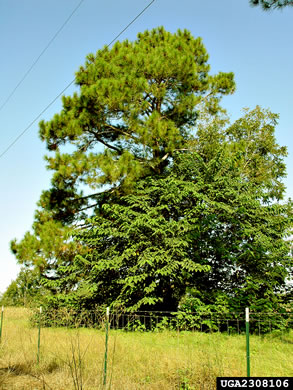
[137, 105]
[271, 4]
[161, 194]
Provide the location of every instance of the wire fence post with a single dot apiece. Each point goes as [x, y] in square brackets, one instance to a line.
[1, 323]
[247, 342]
[106, 347]
[39, 336]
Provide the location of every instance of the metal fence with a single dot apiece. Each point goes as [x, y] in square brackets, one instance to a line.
[207, 329]
[227, 322]
[230, 323]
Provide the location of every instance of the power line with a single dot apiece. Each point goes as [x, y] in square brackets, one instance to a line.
[40, 55]
[53, 101]
[36, 118]
[129, 24]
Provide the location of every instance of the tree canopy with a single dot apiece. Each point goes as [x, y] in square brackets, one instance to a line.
[138, 104]
[154, 193]
[271, 4]
[25, 290]
[208, 224]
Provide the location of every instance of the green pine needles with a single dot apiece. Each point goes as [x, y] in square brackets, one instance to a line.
[271, 4]
[156, 199]
[137, 105]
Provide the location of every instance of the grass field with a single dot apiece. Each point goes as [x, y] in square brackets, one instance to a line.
[74, 359]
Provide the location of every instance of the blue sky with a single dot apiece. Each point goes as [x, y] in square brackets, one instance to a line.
[255, 45]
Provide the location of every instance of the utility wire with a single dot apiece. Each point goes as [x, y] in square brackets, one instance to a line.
[53, 101]
[40, 55]
[129, 24]
[36, 118]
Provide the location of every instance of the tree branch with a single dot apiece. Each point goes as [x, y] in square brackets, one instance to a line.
[119, 151]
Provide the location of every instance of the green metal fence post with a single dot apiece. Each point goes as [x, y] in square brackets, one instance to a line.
[1, 323]
[39, 336]
[106, 347]
[247, 342]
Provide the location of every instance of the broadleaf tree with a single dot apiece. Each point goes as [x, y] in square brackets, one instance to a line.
[209, 225]
[137, 105]
[25, 290]
[164, 198]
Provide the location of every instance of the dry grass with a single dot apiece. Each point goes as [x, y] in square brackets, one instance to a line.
[73, 359]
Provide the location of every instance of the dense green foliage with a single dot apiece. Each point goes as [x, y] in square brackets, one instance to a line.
[137, 104]
[271, 4]
[156, 200]
[46, 249]
[208, 227]
[25, 290]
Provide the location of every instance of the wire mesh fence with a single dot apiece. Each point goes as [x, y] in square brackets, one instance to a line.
[229, 322]
[144, 350]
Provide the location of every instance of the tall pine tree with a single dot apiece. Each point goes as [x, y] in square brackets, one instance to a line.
[174, 202]
[137, 105]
